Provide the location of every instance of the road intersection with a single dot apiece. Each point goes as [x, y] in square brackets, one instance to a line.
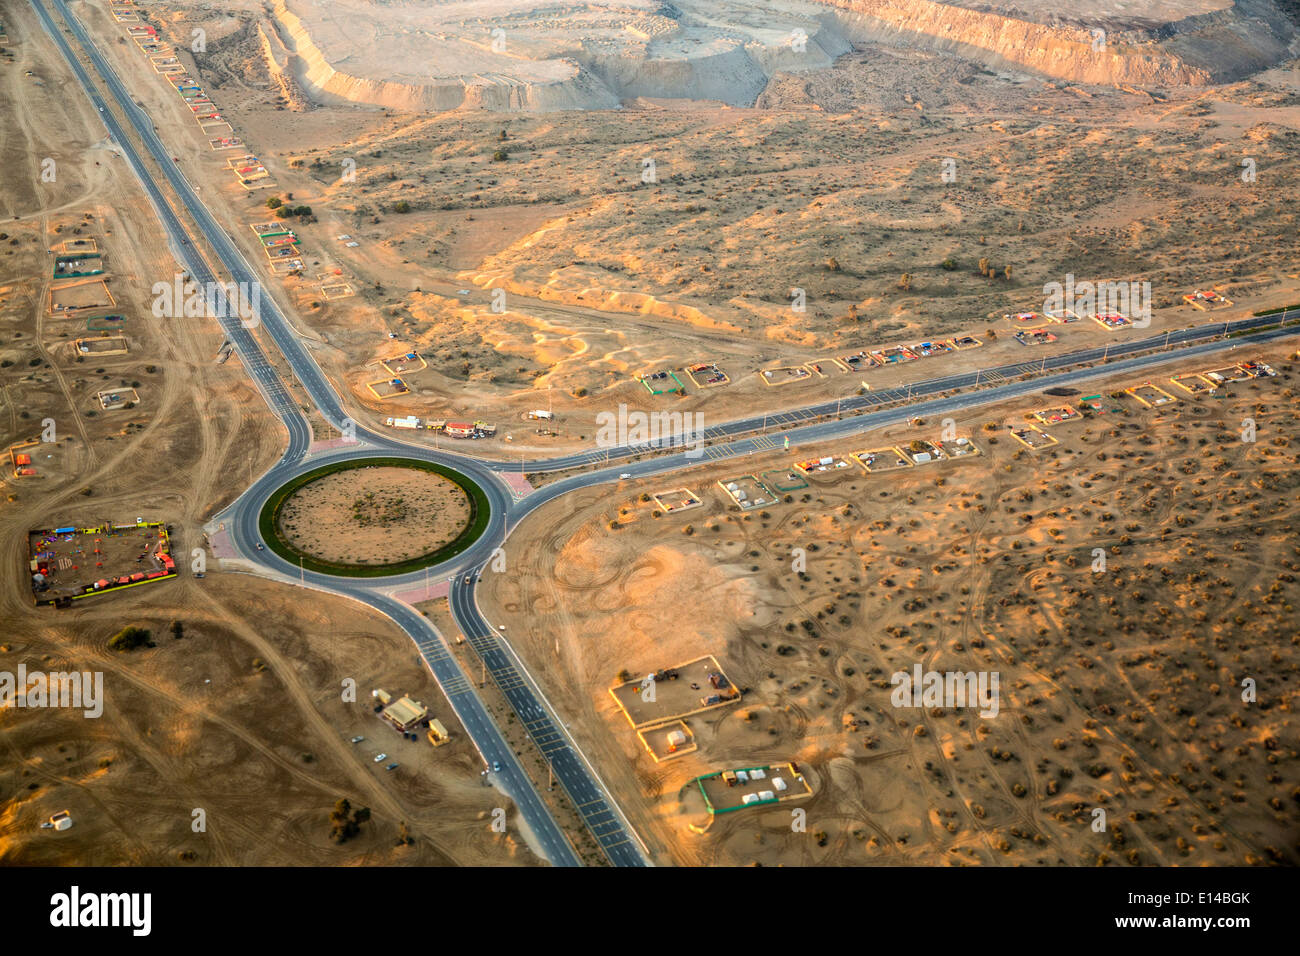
[239, 521]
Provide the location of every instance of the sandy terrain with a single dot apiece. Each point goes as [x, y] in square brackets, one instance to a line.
[369, 515]
[1120, 690]
[833, 184]
[262, 748]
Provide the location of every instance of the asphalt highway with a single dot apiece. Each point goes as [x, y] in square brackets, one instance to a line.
[735, 439]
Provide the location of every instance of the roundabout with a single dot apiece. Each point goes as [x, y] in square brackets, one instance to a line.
[375, 516]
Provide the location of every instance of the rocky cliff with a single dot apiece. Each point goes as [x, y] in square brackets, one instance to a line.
[1211, 43]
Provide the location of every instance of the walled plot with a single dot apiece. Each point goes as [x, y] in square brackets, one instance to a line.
[707, 375]
[1054, 416]
[678, 692]
[746, 491]
[825, 467]
[1033, 437]
[676, 499]
[1207, 300]
[785, 374]
[1111, 321]
[114, 398]
[879, 460]
[894, 355]
[69, 563]
[738, 789]
[88, 294]
[1035, 337]
[668, 741]
[102, 345]
[1193, 383]
[1152, 396]
[783, 480]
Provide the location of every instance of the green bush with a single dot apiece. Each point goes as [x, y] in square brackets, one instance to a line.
[129, 638]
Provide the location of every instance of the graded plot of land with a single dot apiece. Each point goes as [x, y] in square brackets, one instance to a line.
[959, 447]
[857, 361]
[893, 355]
[1111, 320]
[1031, 436]
[121, 397]
[386, 388]
[1118, 689]
[1055, 415]
[674, 693]
[101, 345]
[1150, 395]
[782, 480]
[407, 363]
[827, 466]
[88, 294]
[79, 264]
[667, 741]
[1228, 375]
[707, 375]
[1207, 300]
[676, 499]
[1193, 383]
[729, 790]
[374, 515]
[1035, 337]
[746, 491]
[876, 460]
[785, 375]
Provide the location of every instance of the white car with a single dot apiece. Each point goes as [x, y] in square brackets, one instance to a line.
[380, 757]
[626, 475]
[458, 291]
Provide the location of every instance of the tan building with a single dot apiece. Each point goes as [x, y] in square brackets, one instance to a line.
[438, 733]
[404, 713]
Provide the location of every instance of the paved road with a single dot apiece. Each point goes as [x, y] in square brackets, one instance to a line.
[731, 439]
[469, 708]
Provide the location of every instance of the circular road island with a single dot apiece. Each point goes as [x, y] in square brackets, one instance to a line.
[372, 517]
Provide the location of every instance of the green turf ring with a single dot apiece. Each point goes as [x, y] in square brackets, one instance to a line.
[269, 527]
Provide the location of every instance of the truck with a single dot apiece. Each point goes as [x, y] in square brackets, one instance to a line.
[410, 421]
[542, 414]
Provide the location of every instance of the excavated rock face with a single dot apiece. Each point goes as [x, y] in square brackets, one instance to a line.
[530, 55]
[1172, 42]
[592, 54]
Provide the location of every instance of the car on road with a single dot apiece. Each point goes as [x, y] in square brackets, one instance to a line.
[462, 291]
[626, 475]
[496, 766]
[357, 740]
[469, 578]
[101, 109]
[260, 547]
[379, 758]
